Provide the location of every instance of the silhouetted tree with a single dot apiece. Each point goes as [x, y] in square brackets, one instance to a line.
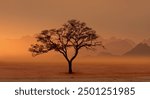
[74, 34]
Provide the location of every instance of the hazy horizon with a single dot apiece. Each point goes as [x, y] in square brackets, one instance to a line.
[11, 48]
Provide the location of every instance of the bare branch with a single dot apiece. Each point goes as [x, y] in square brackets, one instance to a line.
[74, 34]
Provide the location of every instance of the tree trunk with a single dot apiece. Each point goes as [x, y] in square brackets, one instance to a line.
[70, 67]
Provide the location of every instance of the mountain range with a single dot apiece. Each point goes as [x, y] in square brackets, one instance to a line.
[117, 46]
[142, 49]
[113, 46]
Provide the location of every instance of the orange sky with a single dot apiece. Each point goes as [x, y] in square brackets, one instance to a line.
[120, 18]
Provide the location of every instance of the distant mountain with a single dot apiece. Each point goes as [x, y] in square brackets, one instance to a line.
[141, 49]
[147, 41]
[117, 46]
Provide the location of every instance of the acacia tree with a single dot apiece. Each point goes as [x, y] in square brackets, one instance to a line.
[72, 35]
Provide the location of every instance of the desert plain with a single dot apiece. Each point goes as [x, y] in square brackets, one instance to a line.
[99, 69]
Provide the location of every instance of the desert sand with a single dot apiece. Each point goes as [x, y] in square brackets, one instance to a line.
[88, 70]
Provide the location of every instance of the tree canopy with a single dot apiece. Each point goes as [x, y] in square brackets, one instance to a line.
[73, 34]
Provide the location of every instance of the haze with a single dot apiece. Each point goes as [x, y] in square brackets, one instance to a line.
[120, 18]
[124, 19]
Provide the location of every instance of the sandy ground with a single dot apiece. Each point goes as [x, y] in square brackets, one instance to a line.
[83, 72]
